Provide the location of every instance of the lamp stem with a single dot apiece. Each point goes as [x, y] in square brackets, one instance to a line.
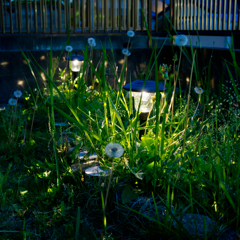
[143, 121]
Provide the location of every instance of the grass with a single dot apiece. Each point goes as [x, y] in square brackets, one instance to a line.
[181, 166]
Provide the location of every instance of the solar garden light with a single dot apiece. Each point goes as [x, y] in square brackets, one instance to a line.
[145, 93]
[75, 62]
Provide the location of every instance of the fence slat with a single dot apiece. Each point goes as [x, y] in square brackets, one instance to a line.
[238, 20]
[35, 15]
[191, 15]
[66, 14]
[150, 17]
[128, 14]
[136, 15]
[142, 11]
[97, 6]
[19, 16]
[156, 13]
[83, 16]
[181, 16]
[15, 5]
[113, 14]
[74, 17]
[10, 15]
[206, 16]
[198, 16]
[214, 18]
[219, 14]
[194, 16]
[184, 14]
[234, 14]
[31, 21]
[210, 15]
[163, 15]
[187, 17]
[26, 13]
[40, 4]
[89, 15]
[105, 16]
[93, 14]
[2, 17]
[202, 18]
[171, 13]
[51, 17]
[59, 16]
[119, 15]
[229, 15]
[224, 14]
[43, 16]
[79, 18]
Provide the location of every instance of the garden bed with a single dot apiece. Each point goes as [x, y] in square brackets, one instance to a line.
[179, 180]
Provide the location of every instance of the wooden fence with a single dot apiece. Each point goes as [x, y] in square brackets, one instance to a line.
[116, 16]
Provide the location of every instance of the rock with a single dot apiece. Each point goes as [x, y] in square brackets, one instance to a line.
[85, 162]
[96, 171]
[194, 224]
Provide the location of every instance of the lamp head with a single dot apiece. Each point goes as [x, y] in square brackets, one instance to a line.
[75, 62]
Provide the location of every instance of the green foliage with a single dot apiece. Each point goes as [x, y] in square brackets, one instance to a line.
[184, 164]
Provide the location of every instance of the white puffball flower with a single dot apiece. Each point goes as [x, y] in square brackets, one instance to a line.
[17, 94]
[126, 52]
[114, 150]
[181, 40]
[12, 101]
[92, 42]
[198, 90]
[131, 33]
[69, 48]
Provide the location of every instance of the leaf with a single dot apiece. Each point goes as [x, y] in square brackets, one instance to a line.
[147, 142]
[129, 194]
[23, 191]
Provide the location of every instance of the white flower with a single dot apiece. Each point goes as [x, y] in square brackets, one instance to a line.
[114, 150]
[181, 40]
[131, 33]
[69, 48]
[198, 90]
[12, 101]
[17, 94]
[92, 42]
[126, 52]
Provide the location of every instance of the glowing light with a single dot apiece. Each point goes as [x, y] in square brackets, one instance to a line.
[146, 102]
[20, 82]
[4, 63]
[42, 57]
[43, 76]
[121, 61]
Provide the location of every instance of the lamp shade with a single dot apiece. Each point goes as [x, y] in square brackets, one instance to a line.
[75, 62]
[143, 92]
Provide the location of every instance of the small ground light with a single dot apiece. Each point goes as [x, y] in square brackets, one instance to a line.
[75, 63]
[146, 92]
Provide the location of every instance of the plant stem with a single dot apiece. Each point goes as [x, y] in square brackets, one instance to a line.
[33, 116]
[188, 102]
[106, 197]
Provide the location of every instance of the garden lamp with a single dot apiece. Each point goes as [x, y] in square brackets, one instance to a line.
[145, 93]
[75, 62]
